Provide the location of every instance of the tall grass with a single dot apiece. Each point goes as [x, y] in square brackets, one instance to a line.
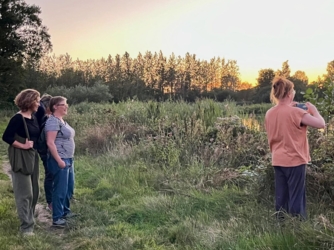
[174, 176]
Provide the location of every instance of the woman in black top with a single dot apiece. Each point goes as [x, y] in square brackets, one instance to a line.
[26, 189]
[42, 116]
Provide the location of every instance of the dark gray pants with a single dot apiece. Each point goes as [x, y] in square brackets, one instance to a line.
[26, 191]
[290, 190]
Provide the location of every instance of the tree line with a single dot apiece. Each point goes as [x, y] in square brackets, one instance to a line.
[25, 62]
[155, 76]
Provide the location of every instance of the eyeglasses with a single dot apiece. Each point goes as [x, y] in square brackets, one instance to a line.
[63, 104]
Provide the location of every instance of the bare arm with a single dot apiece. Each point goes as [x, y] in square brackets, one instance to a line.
[314, 119]
[50, 141]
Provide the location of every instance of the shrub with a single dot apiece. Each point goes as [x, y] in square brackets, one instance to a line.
[259, 108]
[97, 93]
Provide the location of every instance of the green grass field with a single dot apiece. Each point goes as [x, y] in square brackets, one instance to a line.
[172, 176]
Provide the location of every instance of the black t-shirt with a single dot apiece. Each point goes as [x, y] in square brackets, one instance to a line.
[16, 126]
[40, 114]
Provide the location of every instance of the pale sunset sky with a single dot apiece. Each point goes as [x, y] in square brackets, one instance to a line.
[257, 33]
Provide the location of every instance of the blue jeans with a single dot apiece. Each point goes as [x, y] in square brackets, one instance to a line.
[48, 180]
[63, 186]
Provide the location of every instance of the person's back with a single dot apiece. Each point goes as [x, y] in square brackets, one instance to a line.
[43, 149]
[287, 136]
[286, 127]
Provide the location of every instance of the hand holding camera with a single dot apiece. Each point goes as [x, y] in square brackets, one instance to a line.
[311, 108]
[307, 106]
[302, 106]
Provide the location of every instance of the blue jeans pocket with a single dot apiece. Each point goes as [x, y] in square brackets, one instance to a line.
[68, 162]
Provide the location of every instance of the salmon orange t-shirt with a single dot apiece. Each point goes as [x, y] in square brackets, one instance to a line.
[287, 137]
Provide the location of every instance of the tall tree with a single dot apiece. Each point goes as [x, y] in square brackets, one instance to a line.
[285, 71]
[126, 64]
[330, 70]
[203, 76]
[109, 68]
[264, 85]
[171, 76]
[138, 66]
[300, 76]
[213, 73]
[23, 39]
[161, 74]
[244, 86]
[265, 77]
[300, 81]
[230, 75]
[149, 69]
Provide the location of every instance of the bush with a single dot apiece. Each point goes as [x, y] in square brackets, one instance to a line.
[259, 108]
[225, 94]
[97, 93]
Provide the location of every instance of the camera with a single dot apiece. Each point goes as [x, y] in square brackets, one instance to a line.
[301, 106]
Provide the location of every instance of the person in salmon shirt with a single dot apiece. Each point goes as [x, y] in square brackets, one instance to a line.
[286, 127]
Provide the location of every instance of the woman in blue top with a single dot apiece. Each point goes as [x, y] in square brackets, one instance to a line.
[61, 146]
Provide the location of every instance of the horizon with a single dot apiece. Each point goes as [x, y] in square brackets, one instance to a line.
[252, 33]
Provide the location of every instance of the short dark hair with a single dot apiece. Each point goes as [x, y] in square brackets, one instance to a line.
[26, 98]
[56, 100]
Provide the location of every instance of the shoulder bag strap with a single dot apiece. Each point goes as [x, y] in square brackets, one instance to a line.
[25, 127]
